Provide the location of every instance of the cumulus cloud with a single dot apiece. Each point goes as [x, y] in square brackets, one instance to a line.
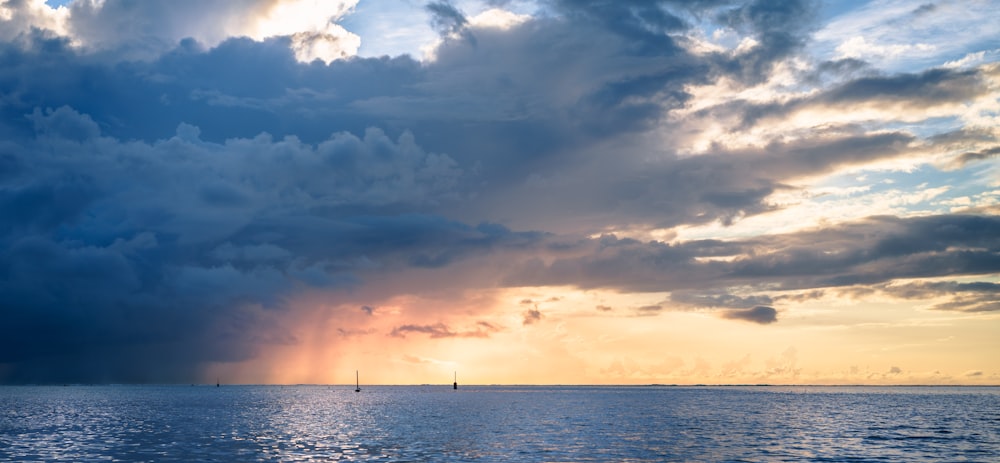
[144, 30]
[199, 244]
[21, 16]
[528, 113]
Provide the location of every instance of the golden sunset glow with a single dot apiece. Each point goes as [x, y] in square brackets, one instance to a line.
[597, 337]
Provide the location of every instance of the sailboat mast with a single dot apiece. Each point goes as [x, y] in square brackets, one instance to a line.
[357, 381]
[455, 384]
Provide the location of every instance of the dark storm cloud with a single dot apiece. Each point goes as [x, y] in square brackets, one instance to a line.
[760, 314]
[145, 28]
[88, 312]
[616, 263]
[870, 251]
[643, 25]
[538, 106]
[653, 28]
[140, 262]
[977, 296]
[925, 89]
[720, 186]
[780, 27]
[163, 200]
[879, 249]
[206, 88]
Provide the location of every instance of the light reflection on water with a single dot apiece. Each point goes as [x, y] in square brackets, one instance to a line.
[527, 424]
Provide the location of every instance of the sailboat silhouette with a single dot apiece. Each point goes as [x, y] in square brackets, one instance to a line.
[357, 380]
[455, 384]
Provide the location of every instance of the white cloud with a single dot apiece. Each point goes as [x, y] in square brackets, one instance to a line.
[498, 18]
[144, 29]
[19, 17]
[903, 34]
[333, 43]
[311, 23]
[286, 17]
[858, 47]
[972, 59]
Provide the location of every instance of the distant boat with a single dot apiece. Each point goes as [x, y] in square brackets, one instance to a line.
[455, 384]
[357, 380]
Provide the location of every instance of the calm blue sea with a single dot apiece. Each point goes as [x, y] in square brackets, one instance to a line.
[487, 424]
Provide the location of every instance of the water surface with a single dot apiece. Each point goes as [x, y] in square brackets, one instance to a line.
[486, 424]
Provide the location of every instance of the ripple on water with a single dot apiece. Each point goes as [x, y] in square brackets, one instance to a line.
[529, 424]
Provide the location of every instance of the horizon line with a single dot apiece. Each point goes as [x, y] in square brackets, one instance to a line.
[678, 385]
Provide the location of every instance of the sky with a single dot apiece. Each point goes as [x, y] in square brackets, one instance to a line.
[513, 191]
